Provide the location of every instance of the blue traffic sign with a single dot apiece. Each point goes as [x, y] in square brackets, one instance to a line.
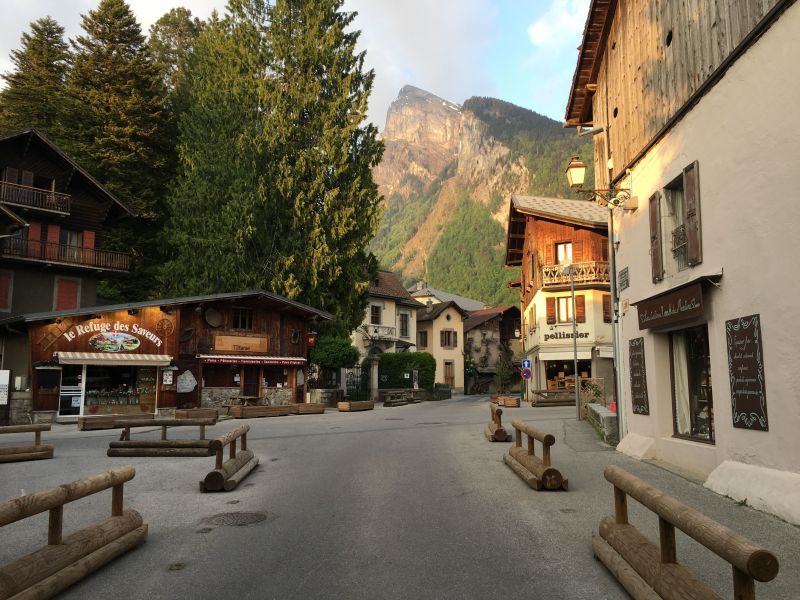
[526, 363]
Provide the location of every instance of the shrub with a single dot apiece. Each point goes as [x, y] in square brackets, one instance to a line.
[392, 368]
[334, 353]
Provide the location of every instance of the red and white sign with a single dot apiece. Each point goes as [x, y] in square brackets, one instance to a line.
[526, 373]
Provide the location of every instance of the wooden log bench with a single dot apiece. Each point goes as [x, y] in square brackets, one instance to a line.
[647, 570]
[355, 405]
[38, 451]
[109, 421]
[307, 408]
[163, 447]
[537, 472]
[227, 475]
[66, 560]
[197, 413]
[251, 412]
[495, 432]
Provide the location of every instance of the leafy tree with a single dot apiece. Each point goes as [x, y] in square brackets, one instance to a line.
[35, 89]
[334, 353]
[504, 369]
[118, 134]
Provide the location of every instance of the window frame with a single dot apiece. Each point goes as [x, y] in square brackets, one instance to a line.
[568, 253]
[242, 315]
[448, 338]
[422, 339]
[404, 319]
[375, 309]
[710, 391]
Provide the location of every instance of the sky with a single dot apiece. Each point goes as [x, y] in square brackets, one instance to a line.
[521, 51]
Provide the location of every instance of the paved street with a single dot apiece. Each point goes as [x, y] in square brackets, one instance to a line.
[405, 502]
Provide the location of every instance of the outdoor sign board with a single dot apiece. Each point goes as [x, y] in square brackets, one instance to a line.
[639, 400]
[683, 304]
[746, 372]
[526, 363]
[4, 379]
[526, 373]
[236, 343]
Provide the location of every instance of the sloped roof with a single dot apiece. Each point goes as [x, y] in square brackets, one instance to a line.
[90, 310]
[388, 285]
[479, 317]
[437, 309]
[467, 304]
[33, 132]
[584, 213]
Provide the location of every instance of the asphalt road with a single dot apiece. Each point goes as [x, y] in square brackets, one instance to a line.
[404, 502]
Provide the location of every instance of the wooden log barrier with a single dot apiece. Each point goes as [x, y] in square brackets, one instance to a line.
[657, 565]
[228, 474]
[495, 432]
[355, 405]
[38, 451]
[164, 447]
[65, 560]
[537, 472]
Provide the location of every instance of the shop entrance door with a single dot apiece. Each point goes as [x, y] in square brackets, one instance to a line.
[250, 381]
[449, 373]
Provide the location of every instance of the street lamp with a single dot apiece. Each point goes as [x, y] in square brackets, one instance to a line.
[612, 198]
[569, 270]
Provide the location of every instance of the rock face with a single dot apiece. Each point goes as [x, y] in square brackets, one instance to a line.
[429, 138]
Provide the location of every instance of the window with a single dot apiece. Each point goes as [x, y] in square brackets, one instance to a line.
[6, 288]
[221, 376]
[565, 309]
[375, 314]
[674, 220]
[67, 293]
[693, 410]
[403, 325]
[422, 339]
[242, 318]
[448, 338]
[70, 245]
[564, 253]
[559, 309]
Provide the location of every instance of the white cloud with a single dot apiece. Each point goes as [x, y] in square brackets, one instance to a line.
[560, 24]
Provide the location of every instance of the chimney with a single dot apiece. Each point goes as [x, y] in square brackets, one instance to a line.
[428, 307]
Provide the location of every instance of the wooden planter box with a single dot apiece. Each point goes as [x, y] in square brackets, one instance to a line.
[250, 412]
[355, 405]
[197, 413]
[109, 421]
[307, 408]
[508, 401]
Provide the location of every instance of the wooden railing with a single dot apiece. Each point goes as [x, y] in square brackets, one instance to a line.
[585, 272]
[60, 253]
[30, 197]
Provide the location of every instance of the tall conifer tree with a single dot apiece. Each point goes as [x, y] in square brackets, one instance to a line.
[35, 89]
[118, 134]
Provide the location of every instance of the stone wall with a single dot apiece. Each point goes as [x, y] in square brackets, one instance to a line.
[277, 396]
[330, 397]
[216, 397]
[20, 405]
[604, 421]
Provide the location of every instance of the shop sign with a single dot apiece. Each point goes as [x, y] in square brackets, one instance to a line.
[112, 336]
[166, 377]
[311, 339]
[186, 382]
[639, 401]
[235, 343]
[564, 335]
[683, 304]
[5, 377]
[746, 372]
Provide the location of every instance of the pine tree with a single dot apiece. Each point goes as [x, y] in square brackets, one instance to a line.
[35, 89]
[171, 40]
[118, 134]
[321, 156]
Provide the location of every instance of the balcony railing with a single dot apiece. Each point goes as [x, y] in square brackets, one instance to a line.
[679, 245]
[585, 272]
[30, 197]
[381, 332]
[58, 253]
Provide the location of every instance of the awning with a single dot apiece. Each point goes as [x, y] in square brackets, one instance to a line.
[113, 359]
[559, 354]
[234, 359]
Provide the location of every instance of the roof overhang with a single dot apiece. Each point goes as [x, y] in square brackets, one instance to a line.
[590, 55]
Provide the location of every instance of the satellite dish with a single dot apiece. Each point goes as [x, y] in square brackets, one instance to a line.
[186, 334]
[213, 317]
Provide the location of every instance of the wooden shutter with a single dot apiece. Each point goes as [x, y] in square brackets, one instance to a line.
[691, 202]
[66, 294]
[11, 175]
[549, 250]
[551, 310]
[441, 339]
[606, 308]
[577, 251]
[580, 309]
[656, 257]
[455, 339]
[6, 277]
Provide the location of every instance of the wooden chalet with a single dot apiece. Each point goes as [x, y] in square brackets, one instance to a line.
[146, 357]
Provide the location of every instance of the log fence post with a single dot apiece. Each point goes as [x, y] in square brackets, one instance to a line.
[26, 452]
[117, 494]
[228, 473]
[55, 525]
[232, 449]
[537, 472]
[620, 506]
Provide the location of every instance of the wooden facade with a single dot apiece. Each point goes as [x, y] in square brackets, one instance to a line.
[643, 64]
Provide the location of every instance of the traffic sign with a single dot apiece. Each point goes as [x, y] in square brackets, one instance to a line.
[526, 363]
[526, 373]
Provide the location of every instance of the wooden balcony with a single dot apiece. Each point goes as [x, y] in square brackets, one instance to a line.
[585, 273]
[35, 198]
[50, 253]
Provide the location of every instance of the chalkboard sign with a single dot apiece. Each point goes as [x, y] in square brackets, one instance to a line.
[639, 401]
[746, 371]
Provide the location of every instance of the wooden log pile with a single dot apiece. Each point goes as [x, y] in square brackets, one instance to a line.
[355, 405]
[163, 447]
[37, 451]
[307, 408]
[227, 475]
[495, 432]
[197, 413]
[110, 421]
[537, 472]
[250, 412]
[647, 570]
[66, 560]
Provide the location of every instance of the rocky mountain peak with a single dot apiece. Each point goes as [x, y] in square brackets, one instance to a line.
[419, 117]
